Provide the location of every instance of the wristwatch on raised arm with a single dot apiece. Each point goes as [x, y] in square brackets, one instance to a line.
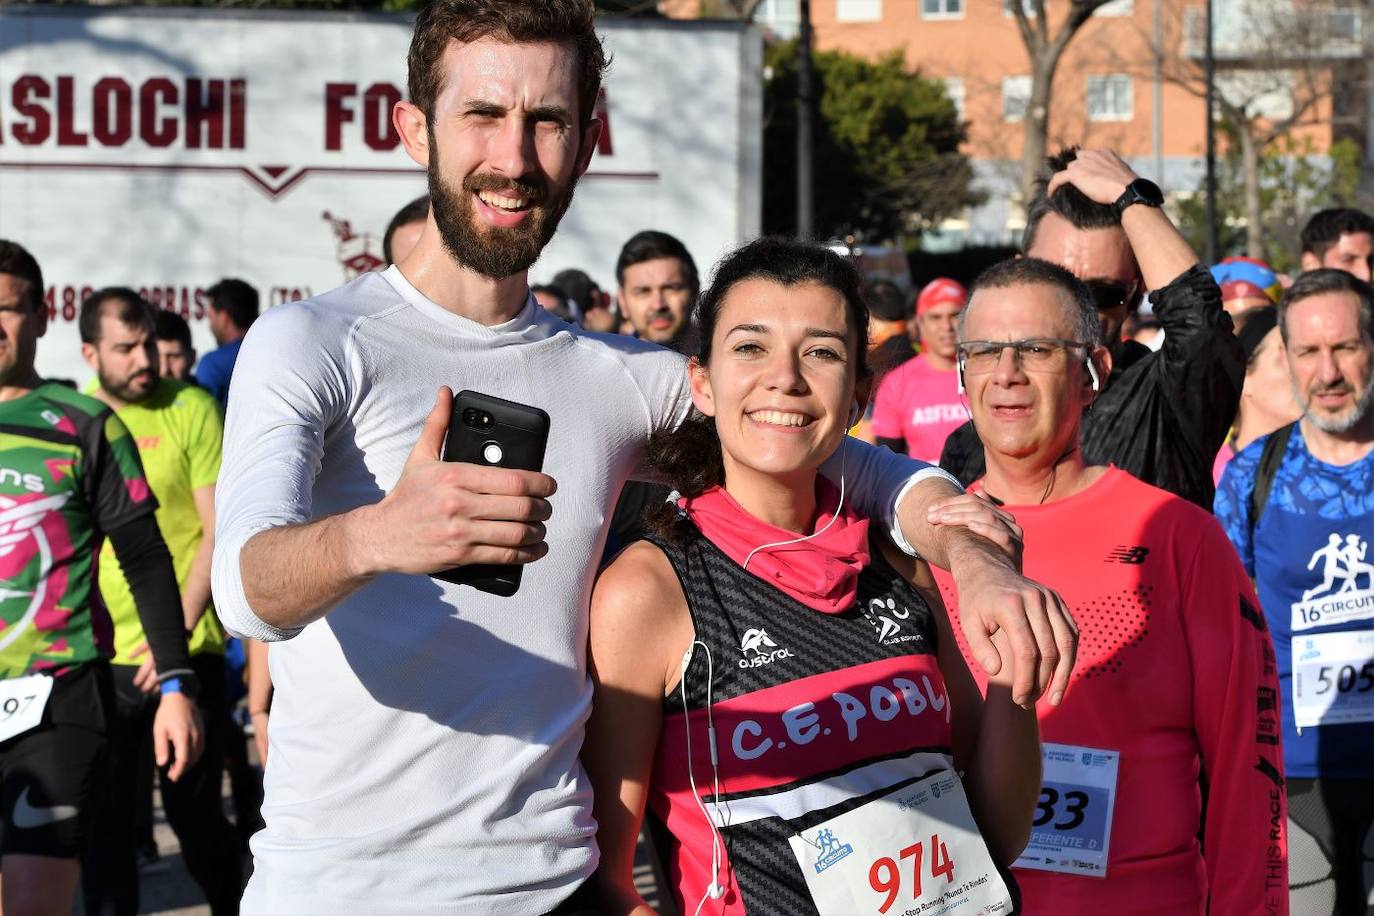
[1140, 191]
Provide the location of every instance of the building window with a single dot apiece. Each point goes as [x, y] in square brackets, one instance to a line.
[1016, 92]
[942, 9]
[782, 16]
[1027, 5]
[858, 10]
[1110, 98]
[954, 88]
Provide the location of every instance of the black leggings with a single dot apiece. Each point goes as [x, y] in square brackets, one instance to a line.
[209, 843]
[1330, 846]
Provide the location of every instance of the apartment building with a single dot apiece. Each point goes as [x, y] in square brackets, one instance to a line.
[1128, 80]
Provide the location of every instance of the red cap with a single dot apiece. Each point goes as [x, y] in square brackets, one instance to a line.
[1243, 289]
[940, 291]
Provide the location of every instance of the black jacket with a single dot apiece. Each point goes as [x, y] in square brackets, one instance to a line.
[1162, 416]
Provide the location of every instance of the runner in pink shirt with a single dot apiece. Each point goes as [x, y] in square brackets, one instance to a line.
[1163, 769]
[917, 405]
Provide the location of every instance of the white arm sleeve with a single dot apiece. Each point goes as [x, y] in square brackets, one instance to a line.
[661, 377]
[289, 384]
[877, 479]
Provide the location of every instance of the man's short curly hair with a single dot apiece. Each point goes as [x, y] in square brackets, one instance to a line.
[1326, 227]
[564, 22]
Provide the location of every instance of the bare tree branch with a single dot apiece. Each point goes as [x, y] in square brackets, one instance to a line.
[1044, 52]
[1030, 37]
[1274, 81]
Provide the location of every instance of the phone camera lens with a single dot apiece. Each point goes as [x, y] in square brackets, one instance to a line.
[471, 417]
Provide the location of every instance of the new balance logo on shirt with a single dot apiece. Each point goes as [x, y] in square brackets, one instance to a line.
[1133, 556]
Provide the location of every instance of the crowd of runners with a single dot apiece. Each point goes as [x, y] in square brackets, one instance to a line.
[1047, 593]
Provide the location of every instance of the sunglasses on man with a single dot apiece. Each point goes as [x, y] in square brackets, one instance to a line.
[1112, 294]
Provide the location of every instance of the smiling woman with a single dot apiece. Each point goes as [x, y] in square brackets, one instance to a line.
[789, 359]
[770, 675]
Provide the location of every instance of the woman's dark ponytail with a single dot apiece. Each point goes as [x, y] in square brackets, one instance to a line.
[688, 459]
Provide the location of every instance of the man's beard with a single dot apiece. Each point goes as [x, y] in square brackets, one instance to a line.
[493, 251]
[1342, 422]
[125, 390]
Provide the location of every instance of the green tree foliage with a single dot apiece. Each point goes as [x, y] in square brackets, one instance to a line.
[887, 157]
[1295, 182]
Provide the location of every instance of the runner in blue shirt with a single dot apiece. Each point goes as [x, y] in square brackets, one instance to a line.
[1299, 507]
[233, 308]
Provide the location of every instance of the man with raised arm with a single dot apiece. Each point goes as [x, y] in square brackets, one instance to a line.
[1161, 416]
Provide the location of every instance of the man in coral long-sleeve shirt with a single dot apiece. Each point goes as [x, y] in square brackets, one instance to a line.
[1163, 780]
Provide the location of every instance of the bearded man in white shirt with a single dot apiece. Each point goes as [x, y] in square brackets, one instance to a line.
[425, 735]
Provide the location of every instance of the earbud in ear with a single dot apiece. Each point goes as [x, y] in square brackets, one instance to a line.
[961, 378]
[1092, 374]
[854, 414]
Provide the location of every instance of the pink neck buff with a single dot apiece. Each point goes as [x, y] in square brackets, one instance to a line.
[822, 572]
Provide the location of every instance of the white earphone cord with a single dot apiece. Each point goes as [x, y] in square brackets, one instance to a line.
[839, 506]
[715, 890]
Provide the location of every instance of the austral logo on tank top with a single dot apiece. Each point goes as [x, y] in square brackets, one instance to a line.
[758, 649]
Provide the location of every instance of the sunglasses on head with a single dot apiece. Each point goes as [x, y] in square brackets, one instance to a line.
[1112, 294]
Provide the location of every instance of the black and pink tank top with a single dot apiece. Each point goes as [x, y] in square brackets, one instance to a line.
[814, 714]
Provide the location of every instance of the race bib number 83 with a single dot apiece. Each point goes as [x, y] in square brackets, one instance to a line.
[1072, 829]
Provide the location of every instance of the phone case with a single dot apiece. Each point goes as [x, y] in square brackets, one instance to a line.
[508, 435]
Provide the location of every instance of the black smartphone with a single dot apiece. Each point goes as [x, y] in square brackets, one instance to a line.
[499, 433]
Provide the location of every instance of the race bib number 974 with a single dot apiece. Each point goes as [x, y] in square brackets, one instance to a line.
[913, 851]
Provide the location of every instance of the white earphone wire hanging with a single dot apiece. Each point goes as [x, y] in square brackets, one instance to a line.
[715, 890]
[839, 506]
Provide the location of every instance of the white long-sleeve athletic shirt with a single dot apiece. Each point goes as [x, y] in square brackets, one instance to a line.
[425, 736]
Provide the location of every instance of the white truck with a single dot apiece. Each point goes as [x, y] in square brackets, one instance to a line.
[163, 149]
